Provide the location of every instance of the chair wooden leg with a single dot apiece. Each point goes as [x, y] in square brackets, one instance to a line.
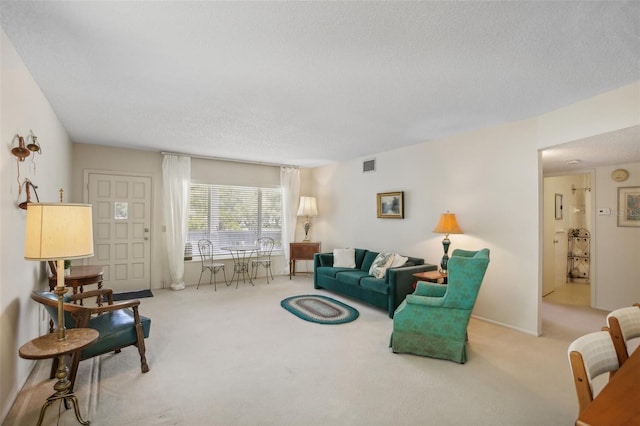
[73, 369]
[141, 349]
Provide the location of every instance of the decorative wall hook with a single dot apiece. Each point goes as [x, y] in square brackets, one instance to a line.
[27, 184]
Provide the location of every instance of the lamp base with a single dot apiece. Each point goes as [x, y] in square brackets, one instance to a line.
[64, 392]
[445, 259]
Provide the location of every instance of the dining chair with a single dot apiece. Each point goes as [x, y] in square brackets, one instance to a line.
[119, 324]
[624, 325]
[590, 356]
[263, 256]
[206, 256]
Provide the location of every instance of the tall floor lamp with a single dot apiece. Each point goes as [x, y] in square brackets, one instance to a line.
[447, 225]
[59, 231]
[308, 208]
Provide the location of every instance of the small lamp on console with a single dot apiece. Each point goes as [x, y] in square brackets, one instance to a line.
[447, 225]
[308, 208]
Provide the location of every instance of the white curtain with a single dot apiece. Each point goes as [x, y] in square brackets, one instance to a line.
[290, 183]
[176, 177]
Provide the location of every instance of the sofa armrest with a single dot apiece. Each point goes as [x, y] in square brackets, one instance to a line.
[401, 281]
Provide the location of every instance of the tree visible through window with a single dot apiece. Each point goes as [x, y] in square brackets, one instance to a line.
[233, 215]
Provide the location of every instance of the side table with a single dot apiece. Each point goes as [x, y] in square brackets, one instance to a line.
[431, 276]
[48, 346]
[301, 251]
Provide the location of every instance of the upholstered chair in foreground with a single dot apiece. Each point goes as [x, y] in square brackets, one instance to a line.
[119, 324]
[433, 320]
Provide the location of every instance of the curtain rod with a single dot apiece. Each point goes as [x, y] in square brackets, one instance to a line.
[204, 157]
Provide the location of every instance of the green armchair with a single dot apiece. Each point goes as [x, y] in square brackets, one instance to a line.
[433, 320]
[119, 324]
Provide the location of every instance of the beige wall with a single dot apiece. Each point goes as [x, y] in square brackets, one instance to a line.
[24, 108]
[495, 202]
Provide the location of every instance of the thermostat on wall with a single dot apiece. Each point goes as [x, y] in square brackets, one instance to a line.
[604, 212]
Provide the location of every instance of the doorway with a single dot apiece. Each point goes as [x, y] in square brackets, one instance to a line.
[567, 254]
[121, 227]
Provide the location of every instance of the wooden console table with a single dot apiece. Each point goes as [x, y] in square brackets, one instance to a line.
[79, 277]
[301, 251]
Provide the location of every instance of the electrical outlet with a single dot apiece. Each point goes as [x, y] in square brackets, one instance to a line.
[604, 212]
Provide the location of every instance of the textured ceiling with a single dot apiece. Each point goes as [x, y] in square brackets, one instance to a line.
[308, 83]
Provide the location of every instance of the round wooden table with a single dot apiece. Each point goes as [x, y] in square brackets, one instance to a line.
[48, 346]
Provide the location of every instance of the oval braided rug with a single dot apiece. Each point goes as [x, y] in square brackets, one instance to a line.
[320, 309]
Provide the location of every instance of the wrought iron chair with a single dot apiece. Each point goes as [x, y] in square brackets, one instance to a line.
[206, 255]
[263, 256]
[120, 325]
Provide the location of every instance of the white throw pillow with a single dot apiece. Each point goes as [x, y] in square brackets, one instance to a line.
[381, 264]
[398, 261]
[344, 258]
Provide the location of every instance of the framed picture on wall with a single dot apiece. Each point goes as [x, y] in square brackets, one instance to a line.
[629, 206]
[391, 205]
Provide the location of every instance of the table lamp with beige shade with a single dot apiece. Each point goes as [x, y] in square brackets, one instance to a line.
[59, 231]
[308, 208]
[447, 225]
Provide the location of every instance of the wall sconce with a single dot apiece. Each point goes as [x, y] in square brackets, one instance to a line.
[23, 150]
[20, 151]
[34, 146]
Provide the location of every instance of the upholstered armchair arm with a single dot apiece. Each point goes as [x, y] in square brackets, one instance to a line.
[425, 300]
[424, 288]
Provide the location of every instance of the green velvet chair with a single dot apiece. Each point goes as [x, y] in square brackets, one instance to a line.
[433, 320]
[119, 324]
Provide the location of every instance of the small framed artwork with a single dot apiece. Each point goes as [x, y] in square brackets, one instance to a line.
[629, 206]
[558, 206]
[391, 205]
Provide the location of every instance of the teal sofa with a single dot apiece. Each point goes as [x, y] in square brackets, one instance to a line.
[433, 320]
[386, 293]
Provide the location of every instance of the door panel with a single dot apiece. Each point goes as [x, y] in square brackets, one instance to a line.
[121, 221]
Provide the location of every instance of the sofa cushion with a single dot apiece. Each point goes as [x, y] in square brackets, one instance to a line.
[375, 284]
[398, 260]
[380, 264]
[351, 277]
[330, 271]
[369, 257]
[360, 253]
[344, 258]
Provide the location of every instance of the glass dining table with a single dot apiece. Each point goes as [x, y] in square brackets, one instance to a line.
[241, 256]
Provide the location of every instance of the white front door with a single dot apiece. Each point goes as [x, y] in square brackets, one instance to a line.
[121, 229]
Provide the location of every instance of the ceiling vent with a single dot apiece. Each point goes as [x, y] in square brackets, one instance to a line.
[369, 166]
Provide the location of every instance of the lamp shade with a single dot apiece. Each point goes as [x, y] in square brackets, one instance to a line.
[308, 206]
[58, 231]
[448, 224]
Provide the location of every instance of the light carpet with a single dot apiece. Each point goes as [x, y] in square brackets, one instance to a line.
[235, 357]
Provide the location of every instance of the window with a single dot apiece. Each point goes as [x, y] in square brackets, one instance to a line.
[233, 215]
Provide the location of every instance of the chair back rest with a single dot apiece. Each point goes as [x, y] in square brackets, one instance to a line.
[205, 247]
[590, 356]
[265, 246]
[466, 271]
[74, 315]
[624, 325]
